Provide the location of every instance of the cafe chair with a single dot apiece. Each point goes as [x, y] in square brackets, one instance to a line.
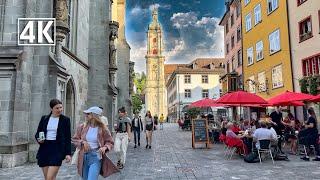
[265, 147]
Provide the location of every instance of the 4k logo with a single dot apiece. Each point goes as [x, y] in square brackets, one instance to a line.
[36, 31]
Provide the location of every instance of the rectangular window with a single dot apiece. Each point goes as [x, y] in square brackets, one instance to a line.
[238, 33]
[227, 48]
[299, 2]
[250, 55]
[272, 5]
[274, 41]
[262, 82]
[205, 93]
[305, 29]
[228, 67]
[257, 14]
[246, 2]
[311, 66]
[239, 54]
[187, 93]
[248, 22]
[205, 79]
[259, 49]
[232, 19]
[233, 64]
[277, 77]
[238, 10]
[227, 27]
[187, 79]
[252, 87]
[232, 42]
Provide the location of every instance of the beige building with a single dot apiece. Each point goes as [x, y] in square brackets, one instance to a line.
[304, 25]
[156, 99]
[192, 82]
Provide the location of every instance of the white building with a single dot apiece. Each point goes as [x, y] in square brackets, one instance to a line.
[192, 82]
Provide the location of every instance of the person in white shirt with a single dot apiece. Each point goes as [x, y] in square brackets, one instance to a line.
[263, 133]
[103, 118]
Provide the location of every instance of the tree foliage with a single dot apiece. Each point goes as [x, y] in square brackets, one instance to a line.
[140, 82]
[193, 112]
[136, 103]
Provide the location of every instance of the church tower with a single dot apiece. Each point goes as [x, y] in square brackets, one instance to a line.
[156, 95]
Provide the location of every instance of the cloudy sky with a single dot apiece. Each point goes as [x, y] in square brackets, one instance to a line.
[191, 29]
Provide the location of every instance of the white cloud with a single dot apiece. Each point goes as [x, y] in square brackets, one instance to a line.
[154, 6]
[137, 10]
[199, 37]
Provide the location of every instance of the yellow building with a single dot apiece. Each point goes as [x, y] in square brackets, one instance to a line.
[266, 50]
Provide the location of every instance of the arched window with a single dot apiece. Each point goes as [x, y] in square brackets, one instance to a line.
[154, 51]
[154, 39]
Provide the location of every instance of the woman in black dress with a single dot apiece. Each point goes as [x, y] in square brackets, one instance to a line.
[54, 137]
[309, 136]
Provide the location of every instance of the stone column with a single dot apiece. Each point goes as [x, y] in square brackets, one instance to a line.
[62, 27]
[114, 26]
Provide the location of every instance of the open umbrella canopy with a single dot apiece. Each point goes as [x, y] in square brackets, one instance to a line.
[293, 103]
[241, 98]
[204, 103]
[289, 96]
[316, 98]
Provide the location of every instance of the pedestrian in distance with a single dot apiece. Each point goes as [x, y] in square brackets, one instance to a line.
[123, 134]
[93, 140]
[161, 121]
[137, 127]
[54, 137]
[104, 119]
[149, 127]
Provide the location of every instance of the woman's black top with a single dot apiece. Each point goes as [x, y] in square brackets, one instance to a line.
[63, 138]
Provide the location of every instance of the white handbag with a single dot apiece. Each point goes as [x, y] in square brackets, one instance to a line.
[75, 156]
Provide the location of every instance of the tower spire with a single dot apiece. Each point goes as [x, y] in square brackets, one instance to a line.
[155, 14]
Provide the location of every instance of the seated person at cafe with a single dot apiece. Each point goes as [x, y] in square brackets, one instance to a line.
[234, 140]
[245, 125]
[263, 133]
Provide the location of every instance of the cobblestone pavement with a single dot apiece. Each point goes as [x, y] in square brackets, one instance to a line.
[172, 157]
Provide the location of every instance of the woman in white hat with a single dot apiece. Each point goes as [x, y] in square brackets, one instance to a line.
[94, 140]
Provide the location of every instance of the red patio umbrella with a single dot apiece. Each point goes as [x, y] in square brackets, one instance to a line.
[204, 103]
[293, 103]
[288, 97]
[241, 98]
[316, 98]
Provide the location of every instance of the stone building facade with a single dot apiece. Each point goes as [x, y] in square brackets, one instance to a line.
[124, 65]
[156, 94]
[80, 70]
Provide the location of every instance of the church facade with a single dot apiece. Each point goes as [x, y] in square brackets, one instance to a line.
[156, 95]
[80, 70]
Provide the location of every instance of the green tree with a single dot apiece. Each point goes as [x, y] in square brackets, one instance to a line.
[193, 112]
[136, 103]
[140, 82]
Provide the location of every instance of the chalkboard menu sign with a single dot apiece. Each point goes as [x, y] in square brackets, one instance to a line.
[200, 132]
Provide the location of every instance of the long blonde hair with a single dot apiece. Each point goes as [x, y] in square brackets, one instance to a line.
[95, 120]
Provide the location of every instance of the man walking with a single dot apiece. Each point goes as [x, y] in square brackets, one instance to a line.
[136, 128]
[123, 134]
[276, 117]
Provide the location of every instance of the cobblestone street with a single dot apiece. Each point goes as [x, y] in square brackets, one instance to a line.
[172, 157]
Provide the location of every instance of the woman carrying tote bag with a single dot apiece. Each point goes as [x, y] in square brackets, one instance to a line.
[93, 140]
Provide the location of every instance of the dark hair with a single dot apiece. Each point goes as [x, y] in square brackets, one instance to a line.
[312, 113]
[101, 107]
[263, 124]
[290, 116]
[54, 102]
[148, 112]
[122, 110]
